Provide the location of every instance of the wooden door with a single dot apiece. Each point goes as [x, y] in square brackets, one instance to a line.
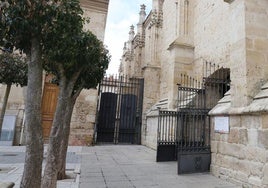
[49, 102]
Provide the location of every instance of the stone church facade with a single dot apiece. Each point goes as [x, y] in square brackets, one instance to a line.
[83, 119]
[180, 36]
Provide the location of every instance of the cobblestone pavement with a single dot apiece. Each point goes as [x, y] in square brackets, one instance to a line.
[135, 167]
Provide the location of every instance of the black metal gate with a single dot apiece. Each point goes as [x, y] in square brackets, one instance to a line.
[119, 110]
[184, 134]
[193, 127]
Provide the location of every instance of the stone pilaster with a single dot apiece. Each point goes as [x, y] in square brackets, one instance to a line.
[249, 63]
[151, 92]
[182, 57]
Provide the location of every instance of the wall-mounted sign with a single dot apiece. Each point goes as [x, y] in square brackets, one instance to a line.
[221, 124]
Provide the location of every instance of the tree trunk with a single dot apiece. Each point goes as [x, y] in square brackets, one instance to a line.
[34, 140]
[4, 106]
[56, 135]
[65, 139]
[51, 168]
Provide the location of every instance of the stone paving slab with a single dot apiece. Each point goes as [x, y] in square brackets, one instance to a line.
[112, 166]
[12, 158]
[121, 166]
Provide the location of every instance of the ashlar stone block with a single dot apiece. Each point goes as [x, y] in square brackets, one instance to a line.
[265, 175]
[262, 138]
[235, 121]
[255, 154]
[256, 169]
[234, 150]
[252, 137]
[255, 180]
[243, 136]
[240, 176]
[251, 121]
[214, 146]
[265, 121]
[242, 166]
[261, 44]
[234, 136]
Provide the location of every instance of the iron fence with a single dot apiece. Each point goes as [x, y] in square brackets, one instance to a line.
[184, 135]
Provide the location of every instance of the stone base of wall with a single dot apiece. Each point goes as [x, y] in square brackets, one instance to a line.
[151, 130]
[241, 156]
[81, 138]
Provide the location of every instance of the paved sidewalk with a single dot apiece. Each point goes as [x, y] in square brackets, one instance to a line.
[121, 166]
[113, 166]
[12, 164]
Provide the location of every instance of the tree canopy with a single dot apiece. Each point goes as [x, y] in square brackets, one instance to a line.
[86, 55]
[23, 20]
[13, 69]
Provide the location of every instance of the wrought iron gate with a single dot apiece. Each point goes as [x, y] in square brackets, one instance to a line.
[193, 127]
[119, 110]
[184, 134]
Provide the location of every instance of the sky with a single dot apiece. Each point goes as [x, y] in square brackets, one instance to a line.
[121, 15]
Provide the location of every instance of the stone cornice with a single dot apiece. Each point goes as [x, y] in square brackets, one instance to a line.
[181, 42]
[95, 5]
[147, 66]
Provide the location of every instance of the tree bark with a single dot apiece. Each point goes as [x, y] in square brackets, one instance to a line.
[66, 133]
[56, 136]
[51, 168]
[34, 140]
[4, 106]
[65, 139]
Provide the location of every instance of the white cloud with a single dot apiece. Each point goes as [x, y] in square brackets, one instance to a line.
[121, 15]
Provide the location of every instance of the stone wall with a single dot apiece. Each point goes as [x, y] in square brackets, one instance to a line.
[241, 155]
[84, 114]
[83, 118]
[97, 22]
[213, 23]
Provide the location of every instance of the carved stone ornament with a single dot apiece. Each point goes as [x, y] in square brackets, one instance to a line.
[156, 19]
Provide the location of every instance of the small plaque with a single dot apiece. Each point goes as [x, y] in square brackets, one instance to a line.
[222, 124]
